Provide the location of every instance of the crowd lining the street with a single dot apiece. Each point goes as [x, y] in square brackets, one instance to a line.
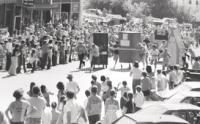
[40, 48]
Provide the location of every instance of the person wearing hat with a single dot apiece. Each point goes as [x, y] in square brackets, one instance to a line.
[72, 86]
[18, 109]
[138, 98]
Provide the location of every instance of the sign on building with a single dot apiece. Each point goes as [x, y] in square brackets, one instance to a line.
[28, 2]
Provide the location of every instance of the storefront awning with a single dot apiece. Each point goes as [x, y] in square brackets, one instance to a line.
[43, 7]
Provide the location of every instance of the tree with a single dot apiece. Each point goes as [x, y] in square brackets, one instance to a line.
[136, 9]
[165, 8]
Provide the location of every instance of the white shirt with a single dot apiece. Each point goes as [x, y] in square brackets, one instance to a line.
[161, 82]
[47, 116]
[136, 73]
[9, 47]
[75, 109]
[173, 77]
[40, 104]
[104, 86]
[72, 86]
[139, 99]
[124, 90]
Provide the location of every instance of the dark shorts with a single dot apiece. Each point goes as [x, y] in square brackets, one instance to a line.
[93, 119]
[147, 93]
[122, 102]
[16, 122]
[94, 60]
[34, 121]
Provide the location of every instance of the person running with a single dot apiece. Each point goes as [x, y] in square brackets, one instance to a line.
[82, 51]
[19, 109]
[136, 74]
[111, 108]
[94, 107]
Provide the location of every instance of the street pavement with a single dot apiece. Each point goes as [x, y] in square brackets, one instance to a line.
[59, 73]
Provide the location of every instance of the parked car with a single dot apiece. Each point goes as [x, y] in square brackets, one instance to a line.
[185, 86]
[187, 112]
[150, 119]
[191, 97]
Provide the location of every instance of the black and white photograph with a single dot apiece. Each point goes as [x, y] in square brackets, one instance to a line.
[99, 61]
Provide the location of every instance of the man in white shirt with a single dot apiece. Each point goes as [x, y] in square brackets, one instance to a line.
[72, 85]
[39, 103]
[136, 74]
[72, 110]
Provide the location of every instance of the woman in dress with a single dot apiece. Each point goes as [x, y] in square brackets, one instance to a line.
[111, 107]
[14, 63]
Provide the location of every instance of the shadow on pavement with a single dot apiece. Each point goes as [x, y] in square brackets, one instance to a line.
[121, 70]
[7, 76]
[87, 70]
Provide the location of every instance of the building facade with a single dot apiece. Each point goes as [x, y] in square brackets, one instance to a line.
[10, 14]
[68, 10]
[190, 6]
[16, 14]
